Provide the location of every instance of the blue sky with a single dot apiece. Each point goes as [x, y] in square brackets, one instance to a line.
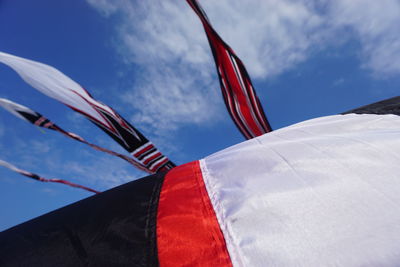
[150, 61]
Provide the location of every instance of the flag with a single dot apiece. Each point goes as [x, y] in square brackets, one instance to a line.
[318, 193]
[239, 95]
[55, 84]
[39, 120]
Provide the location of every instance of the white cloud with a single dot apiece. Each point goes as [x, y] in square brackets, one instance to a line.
[101, 173]
[39, 147]
[270, 36]
[104, 6]
[166, 40]
[177, 82]
[338, 82]
[166, 99]
[376, 24]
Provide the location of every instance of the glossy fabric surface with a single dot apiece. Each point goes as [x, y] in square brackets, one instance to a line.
[324, 192]
[188, 233]
[239, 95]
[114, 228]
[53, 83]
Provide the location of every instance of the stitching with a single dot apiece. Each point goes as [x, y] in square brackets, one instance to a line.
[207, 206]
[151, 221]
[232, 247]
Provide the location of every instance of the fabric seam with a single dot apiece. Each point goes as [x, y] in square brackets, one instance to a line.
[231, 246]
[152, 212]
[209, 210]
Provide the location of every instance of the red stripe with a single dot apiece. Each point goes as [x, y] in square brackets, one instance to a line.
[70, 184]
[247, 91]
[47, 125]
[39, 121]
[259, 108]
[229, 76]
[151, 158]
[241, 98]
[228, 102]
[216, 43]
[147, 148]
[188, 233]
[158, 165]
[247, 111]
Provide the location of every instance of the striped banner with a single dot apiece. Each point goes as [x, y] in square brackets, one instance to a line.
[39, 120]
[322, 192]
[57, 85]
[239, 95]
[42, 179]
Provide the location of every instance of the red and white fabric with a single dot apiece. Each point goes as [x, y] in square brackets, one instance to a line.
[318, 193]
[323, 192]
[53, 83]
[238, 92]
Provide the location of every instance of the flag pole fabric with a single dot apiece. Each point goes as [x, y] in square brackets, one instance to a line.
[42, 179]
[320, 192]
[55, 84]
[239, 95]
[39, 120]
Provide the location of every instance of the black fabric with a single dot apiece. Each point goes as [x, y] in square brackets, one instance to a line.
[32, 118]
[114, 228]
[128, 137]
[388, 106]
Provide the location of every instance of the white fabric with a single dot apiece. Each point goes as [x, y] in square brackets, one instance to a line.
[55, 84]
[11, 167]
[325, 192]
[14, 108]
